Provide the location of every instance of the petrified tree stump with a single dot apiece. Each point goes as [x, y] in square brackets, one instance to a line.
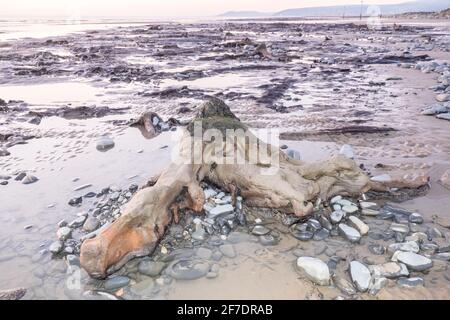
[285, 184]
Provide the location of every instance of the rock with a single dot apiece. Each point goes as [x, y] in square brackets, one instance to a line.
[187, 269]
[78, 222]
[28, 179]
[368, 205]
[98, 295]
[56, 247]
[349, 233]
[116, 282]
[434, 109]
[358, 225]
[414, 261]
[14, 294]
[322, 234]
[4, 182]
[377, 249]
[220, 210]
[376, 284]
[347, 151]
[260, 230]
[104, 144]
[443, 97]
[415, 218]
[293, 154]
[20, 176]
[410, 282]
[72, 260]
[360, 275]
[381, 178]
[268, 240]
[350, 208]
[314, 225]
[144, 288]
[4, 152]
[303, 235]
[344, 285]
[417, 237]
[445, 180]
[204, 253]
[370, 212]
[209, 193]
[435, 233]
[151, 268]
[325, 223]
[444, 116]
[409, 246]
[335, 199]
[315, 269]
[389, 270]
[75, 201]
[91, 224]
[64, 233]
[398, 227]
[227, 250]
[336, 216]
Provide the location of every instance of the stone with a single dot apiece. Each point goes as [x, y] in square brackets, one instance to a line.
[29, 179]
[347, 151]
[444, 116]
[91, 224]
[72, 260]
[325, 223]
[381, 178]
[260, 230]
[376, 284]
[410, 282]
[151, 268]
[358, 225]
[344, 285]
[443, 97]
[268, 240]
[390, 270]
[116, 282]
[56, 247]
[370, 212]
[104, 144]
[220, 210]
[20, 176]
[293, 154]
[315, 269]
[314, 225]
[360, 275]
[322, 234]
[377, 249]
[227, 250]
[350, 208]
[417, 237]
[336, 216]
[4, 152]
[409, 246]
[397, 227]
[349, 233]
[368, 205]
[414, 261]
[303, 235]
[64, 233]
[144, 288]
[75, 201]
[199, 234]
[78, 222]
[187, 269]
[204, 253]
[445, 179]
[335, 199]
[209, 193]
[415, 218]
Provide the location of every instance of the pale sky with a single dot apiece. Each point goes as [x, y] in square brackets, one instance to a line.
[156, 8]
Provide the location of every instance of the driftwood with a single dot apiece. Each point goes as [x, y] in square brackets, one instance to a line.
[285, 184]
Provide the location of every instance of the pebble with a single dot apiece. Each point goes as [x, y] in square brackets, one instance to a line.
[381, 178]
[377, 249]
[260, 230]
[350, 208]
[351, 234]
[443, 97]
[209, 193]
[64, 233]
[4, 182]
[389, 270]
[315, 269]
[370, 212]
[325, 223]
[336, 216]
[116, 282]
[151, 268]
[91, 224]
[376, 284]
[303, 235]
[187, 269]
[268, 240]
[344, 285]
[413, 260]
[335, 199]
[105, 144]
[78, 222]
[56, 247]
[220, 210]
[360, 275]
[322, 234]
[417, 237]
[227, 250]
[28, 179]
[410, 282]
[4, 152]
[347, 151]
[143, 288]
[293, 154]
[204, 253]
[367, 205]
[415, 218]
[358, 225]
[20, 176]
[75, 201]
[397, 227]
[409, 246]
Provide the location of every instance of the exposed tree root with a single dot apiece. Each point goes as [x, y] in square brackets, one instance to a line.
[291, 186]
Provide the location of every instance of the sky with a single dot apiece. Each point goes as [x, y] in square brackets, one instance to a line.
[156, 8]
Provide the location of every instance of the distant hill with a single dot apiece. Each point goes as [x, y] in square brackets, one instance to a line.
[245, 14]
[348, 10]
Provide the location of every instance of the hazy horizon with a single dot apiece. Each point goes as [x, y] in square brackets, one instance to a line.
[156, 8]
